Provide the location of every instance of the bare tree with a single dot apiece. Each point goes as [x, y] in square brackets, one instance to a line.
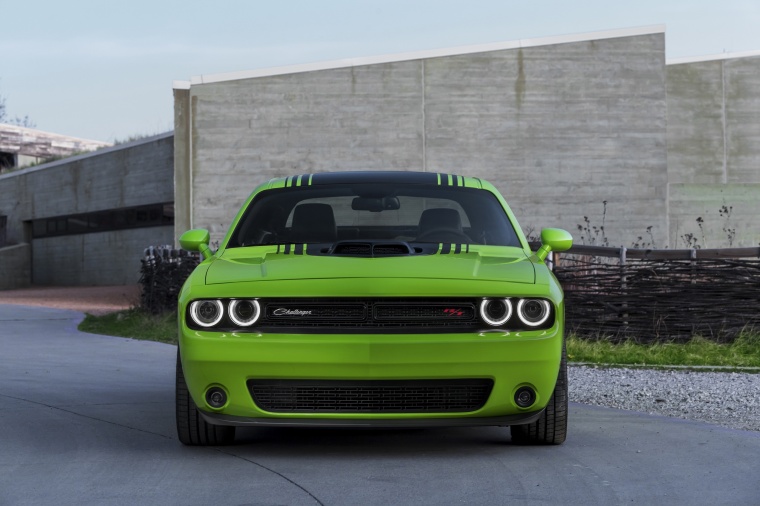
[22, 122]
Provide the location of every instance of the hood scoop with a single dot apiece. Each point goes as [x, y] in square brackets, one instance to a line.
[372, 249]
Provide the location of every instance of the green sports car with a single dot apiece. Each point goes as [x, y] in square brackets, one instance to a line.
[372, 299]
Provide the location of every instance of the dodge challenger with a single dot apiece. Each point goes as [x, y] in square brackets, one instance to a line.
[372, 299]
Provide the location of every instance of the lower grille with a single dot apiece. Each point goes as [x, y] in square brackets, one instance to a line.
[393, 396]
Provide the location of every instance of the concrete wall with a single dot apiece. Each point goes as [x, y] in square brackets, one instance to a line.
[15, 266]
[558, 126]
[107, 258]
[559, 129]
[728, 212]
[133, 174]
[714, 149]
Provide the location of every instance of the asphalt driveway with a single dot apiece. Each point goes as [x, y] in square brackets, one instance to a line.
[89, 420]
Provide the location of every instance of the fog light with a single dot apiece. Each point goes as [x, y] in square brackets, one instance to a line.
[525, 397]
[216, 397]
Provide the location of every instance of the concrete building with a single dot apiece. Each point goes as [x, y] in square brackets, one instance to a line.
[21, 147]
[85, 220]
[714, 149]
[573, 130]
[581, 132]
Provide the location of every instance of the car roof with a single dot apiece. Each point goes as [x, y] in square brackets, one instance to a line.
[376, 177]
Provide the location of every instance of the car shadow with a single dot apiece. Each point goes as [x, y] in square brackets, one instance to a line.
[281, 441]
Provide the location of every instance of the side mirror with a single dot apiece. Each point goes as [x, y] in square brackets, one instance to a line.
[553, 239]
[196, 240]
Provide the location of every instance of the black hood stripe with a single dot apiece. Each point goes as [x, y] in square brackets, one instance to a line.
[456, 249]
[375, 177]
[318, 249]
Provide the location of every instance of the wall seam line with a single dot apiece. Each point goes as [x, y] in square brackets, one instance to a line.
[724, 175]
[190, 175]
[424, 118]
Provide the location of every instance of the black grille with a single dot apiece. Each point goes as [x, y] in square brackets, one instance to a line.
[394, 396]
[452, 315]
[290, 312]
[353, 249]
[428, 311]
[390, 249]
[371, 248]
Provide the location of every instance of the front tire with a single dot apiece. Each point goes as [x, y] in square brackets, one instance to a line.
[551, 427]
[192, 429]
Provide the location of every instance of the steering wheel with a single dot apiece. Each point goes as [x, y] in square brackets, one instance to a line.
[443, 234]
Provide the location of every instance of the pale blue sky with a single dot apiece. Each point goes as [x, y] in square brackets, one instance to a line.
[104, 70]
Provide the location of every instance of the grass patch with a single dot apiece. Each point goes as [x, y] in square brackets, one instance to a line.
[743, 352]
[134, 323]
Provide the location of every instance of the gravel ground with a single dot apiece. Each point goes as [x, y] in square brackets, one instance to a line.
[729, 399]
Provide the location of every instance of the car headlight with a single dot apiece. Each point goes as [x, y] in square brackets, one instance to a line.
[206, 313]
[516, 313]
[533, 312]
[496, 312]
[244, 312]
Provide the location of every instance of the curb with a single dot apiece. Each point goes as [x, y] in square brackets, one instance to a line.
[694, 368]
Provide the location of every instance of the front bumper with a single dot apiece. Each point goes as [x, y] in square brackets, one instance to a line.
[390, 423]
[510, 360]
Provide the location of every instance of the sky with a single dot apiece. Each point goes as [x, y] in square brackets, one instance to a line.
[105, 70]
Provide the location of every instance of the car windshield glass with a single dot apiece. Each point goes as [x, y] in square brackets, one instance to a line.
[374, 212]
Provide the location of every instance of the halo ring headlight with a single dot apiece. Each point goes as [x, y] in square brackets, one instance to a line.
[207, 313]
[244, 312]
[533, 312]
[495, 312]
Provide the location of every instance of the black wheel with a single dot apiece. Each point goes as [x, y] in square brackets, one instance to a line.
[551, 427]
[192, 429]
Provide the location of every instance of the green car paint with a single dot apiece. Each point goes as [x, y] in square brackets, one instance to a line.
[353, 295]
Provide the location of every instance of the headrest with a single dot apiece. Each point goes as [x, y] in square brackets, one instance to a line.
[314, 223]
[440, 218]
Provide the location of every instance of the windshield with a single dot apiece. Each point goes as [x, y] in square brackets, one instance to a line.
[374, 212]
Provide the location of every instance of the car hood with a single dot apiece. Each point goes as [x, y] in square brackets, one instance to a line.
[266, 264]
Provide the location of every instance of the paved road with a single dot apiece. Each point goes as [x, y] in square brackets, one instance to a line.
[89, 420]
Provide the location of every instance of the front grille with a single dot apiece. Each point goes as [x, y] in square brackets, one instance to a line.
[429, 311]
[452, 315]
[289, 312]
[392, 396]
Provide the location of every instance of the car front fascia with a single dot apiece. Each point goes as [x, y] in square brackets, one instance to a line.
[511, 359]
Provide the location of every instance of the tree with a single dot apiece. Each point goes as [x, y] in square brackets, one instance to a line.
[22, 122]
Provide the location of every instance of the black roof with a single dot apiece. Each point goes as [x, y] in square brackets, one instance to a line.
[375, 177]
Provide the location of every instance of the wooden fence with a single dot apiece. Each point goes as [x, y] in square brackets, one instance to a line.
[660, 295]
[611, 293]
[163, 271]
